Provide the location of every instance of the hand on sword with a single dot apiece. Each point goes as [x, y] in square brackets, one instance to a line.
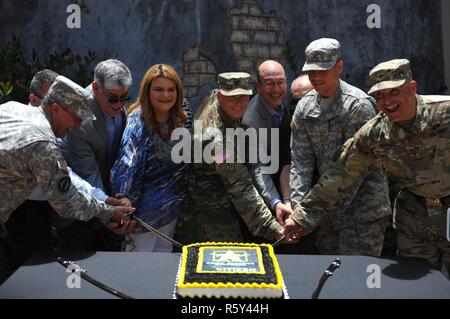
[132, 217]
[293, 230]
[119, 223]
[285, 239]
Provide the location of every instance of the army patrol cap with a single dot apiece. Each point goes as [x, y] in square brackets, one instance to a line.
[322, 54]
[70, 95]
[389, 75]
[234, 83]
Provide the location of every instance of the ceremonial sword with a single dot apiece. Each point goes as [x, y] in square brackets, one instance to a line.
[132, 216]
[327, 274]
[82, 273]
[275, 244]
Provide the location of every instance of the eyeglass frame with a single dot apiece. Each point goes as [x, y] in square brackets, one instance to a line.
[116, 99]
[281, 83]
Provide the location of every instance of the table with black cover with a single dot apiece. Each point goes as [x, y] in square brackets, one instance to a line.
[152, 276]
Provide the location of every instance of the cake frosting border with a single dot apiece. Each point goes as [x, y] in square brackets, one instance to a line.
[279, 277]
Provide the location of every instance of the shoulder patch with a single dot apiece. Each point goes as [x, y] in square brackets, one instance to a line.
[64, 184]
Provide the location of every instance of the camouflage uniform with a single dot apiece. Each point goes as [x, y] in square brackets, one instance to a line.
[417, 158]
[357, 224]
[317, 135]
[29, 156]
[222, 194]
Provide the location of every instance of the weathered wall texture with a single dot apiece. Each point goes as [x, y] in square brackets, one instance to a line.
[201, 38]
[446, 40]
[255, 37]
[199, 70]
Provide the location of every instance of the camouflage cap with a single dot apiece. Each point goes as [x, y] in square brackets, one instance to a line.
[322, 55]
[389, 75]
[234, 83]
[70, 95]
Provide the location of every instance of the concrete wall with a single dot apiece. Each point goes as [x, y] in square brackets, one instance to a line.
[446, 40]
[201, 38]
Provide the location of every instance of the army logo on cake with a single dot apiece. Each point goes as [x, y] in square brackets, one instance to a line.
[229, 270]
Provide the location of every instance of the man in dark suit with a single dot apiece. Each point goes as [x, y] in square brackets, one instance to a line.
[266, 110]
[92, 149]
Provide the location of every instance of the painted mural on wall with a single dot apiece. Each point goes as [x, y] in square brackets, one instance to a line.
[202, 38]
[255, 36]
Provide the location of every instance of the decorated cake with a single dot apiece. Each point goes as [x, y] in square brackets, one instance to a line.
[229, 270]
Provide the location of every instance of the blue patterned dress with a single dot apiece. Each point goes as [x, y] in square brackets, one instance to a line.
[145, 173]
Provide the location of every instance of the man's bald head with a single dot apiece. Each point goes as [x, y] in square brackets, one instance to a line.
[301, 86]
[271, 83]
[270, 67]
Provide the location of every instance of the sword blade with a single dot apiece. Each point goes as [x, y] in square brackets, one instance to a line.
[275, 244]
[93, 281]
[156, 232]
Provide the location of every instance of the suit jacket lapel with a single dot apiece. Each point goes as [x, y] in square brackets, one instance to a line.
[100, 124]
[264, 113]
[124, 122]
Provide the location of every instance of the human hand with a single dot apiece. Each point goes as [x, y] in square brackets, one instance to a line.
[118, 201]
[119, 224]
[294, 230]
[283, 212]
[280, 234]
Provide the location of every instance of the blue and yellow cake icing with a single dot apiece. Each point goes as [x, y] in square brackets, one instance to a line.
[230, 270]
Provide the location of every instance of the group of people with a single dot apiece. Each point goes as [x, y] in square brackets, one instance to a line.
[79, 159]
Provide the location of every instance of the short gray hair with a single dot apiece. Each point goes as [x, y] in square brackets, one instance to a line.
[40, 78]
[112, 74]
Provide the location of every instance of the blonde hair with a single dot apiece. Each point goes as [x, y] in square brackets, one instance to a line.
[177, 114]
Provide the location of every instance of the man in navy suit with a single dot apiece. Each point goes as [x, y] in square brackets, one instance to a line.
[92, 149]
[266, 110]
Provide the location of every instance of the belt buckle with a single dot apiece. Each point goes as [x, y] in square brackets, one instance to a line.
[433, 202]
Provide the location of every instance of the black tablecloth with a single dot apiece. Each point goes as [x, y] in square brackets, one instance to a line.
[152, 275]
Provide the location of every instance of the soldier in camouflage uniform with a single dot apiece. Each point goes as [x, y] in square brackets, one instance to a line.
[411, 137]
[324, 119]
[222, 193]
[29, 156]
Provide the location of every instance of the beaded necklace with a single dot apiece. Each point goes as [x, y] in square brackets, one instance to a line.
[165, 130]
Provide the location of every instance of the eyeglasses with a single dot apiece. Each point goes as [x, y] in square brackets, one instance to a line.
[271, 84]
[114, 99]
